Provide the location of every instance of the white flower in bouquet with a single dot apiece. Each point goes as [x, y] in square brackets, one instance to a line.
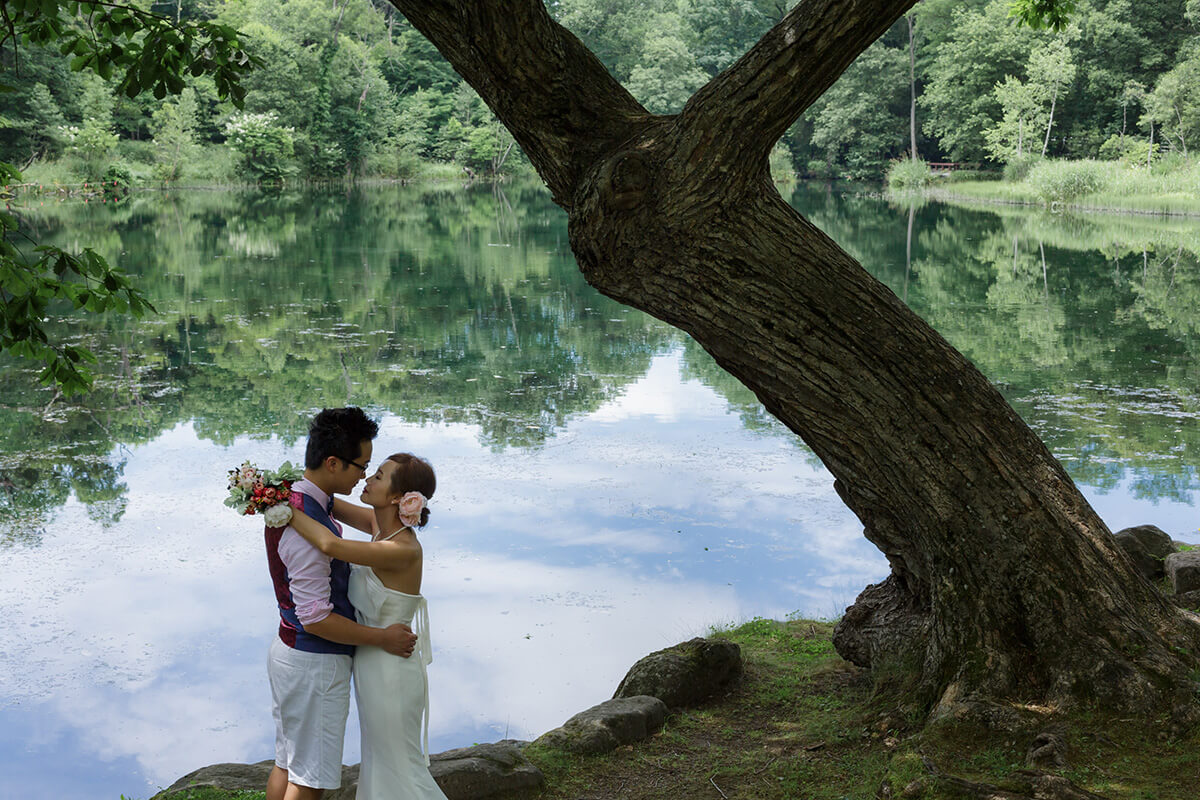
[277, 516]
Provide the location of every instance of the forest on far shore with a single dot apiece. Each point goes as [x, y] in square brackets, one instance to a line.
[348, 90]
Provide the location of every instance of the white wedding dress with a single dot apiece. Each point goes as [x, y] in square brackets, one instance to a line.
[393, 696]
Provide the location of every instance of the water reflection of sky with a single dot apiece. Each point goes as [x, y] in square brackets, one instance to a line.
[135, 653]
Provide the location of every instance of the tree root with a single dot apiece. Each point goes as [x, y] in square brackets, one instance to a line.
[1022, 785]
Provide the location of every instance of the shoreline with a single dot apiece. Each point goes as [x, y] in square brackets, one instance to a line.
[944, 195]
[803, 722]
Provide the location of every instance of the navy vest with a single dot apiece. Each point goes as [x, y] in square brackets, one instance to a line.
[291, 632]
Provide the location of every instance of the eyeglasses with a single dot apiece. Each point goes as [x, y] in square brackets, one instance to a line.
[355, 463]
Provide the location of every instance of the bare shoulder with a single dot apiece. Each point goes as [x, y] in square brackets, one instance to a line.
[408, 540]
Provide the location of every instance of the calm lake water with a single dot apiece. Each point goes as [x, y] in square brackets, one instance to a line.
[604, 489]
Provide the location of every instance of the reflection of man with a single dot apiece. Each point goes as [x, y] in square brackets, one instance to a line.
[310, 661]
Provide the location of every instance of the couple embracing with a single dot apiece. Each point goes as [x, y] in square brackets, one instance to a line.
[336, 619]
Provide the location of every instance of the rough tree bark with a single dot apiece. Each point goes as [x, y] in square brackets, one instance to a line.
[1004, 582]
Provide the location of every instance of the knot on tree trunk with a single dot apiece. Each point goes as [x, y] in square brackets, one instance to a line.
[626, 179]
[887, 623]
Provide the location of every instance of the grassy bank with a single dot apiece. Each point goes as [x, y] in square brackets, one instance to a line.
[215, 168]
[1169, 186]
[806, 724]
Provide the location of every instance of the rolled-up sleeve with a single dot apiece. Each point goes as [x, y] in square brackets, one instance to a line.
[308, 574]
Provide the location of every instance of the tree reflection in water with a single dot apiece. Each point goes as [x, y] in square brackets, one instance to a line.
[464, 305]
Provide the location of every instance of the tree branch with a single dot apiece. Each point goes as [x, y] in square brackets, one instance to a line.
[549, 90]
[783, 74]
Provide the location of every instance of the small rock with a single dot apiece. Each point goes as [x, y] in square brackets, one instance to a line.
[686, 674]
[914, 789]
[609, 725]
[1154, 539]
[1147, 546]
[1183, 570]
[484, 770]
[1048, 751]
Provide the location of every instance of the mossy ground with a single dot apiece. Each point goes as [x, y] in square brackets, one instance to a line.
[806, 724]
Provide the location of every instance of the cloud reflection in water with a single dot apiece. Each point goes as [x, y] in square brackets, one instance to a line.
[549, 572]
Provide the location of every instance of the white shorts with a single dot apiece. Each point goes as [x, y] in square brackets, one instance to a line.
[310, 700]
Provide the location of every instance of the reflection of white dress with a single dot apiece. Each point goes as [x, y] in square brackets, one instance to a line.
[393, 696]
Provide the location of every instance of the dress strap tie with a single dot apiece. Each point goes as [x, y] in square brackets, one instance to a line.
[424, 652]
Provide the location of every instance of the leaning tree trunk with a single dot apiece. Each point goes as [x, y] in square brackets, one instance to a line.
[1004, 581]
[912, 88]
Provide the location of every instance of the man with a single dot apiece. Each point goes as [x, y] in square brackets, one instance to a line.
[310, 661]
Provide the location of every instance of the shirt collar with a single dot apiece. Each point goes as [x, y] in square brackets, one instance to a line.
[305, 486]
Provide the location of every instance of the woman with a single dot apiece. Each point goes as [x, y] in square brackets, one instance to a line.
[392, 693]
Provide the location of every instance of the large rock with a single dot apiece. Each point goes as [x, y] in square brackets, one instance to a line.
[468, 773]
[1148, 547]
[484, 770]
[252, 777]
[1183, 570]
[685, 674]
[609, 725]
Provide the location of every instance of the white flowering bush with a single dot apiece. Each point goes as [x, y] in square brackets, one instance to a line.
[264, 147]
[93, 142]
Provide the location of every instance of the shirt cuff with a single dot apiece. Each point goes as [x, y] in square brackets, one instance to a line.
[315, 611]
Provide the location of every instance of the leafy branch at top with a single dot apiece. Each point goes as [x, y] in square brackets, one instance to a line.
[30, 284]
[1039, 14]
[151, 53]
[154, 52]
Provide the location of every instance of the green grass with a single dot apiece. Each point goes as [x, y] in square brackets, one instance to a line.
[907, 175]
[805, 724]
[1170, 186]
[209, 793]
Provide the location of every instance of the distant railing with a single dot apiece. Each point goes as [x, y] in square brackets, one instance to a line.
[950, 166]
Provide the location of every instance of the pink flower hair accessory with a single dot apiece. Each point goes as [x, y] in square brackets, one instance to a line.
[411, 505]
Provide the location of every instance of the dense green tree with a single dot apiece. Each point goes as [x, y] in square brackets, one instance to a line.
[615, 30]
[175, 144]
[666, 73]
[44, 122]
[861, 122]
[1174, 103]
[980, 49]
[1051, 69]
[719, 31]
[1013, 136]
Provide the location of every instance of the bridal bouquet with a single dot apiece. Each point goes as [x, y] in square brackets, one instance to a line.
[263, 491]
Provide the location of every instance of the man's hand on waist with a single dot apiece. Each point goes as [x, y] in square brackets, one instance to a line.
[398, 640]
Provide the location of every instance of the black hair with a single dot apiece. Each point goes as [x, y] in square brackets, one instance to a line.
[338, 432]
[414, 474]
